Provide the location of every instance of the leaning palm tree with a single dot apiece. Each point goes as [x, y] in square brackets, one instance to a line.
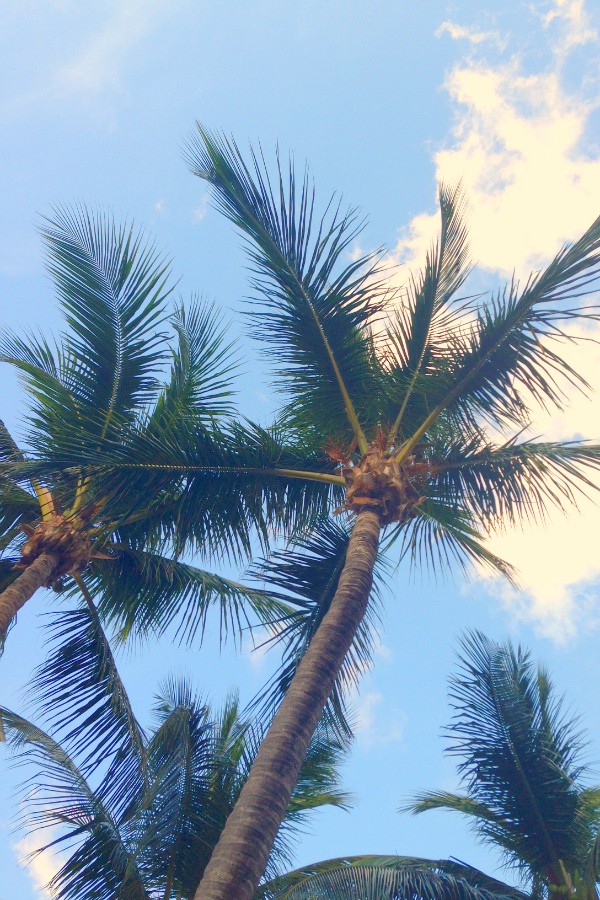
[388, 401]
[104, 376]
[137, 814]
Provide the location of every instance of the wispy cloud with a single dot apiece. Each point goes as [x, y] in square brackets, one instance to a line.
[97, 65]
[520, 146]
[464, 33]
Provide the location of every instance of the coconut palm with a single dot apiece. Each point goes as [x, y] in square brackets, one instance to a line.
[102, 378]
[138, 813]
[524, 771]
[525, 774]
[389, 397]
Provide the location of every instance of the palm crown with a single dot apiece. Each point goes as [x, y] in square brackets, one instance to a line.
[87, 393]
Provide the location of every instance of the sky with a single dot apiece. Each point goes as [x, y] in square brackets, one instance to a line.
[384, 100]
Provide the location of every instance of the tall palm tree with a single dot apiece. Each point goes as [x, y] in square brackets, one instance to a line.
[102, 378]
[389, 396]
[137, 814]
[526, 791]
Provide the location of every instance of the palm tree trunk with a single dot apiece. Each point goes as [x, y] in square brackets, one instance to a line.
[35, 576]
[241, 855]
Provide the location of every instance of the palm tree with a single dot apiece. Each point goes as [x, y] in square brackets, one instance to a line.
[74, 532]
[526, 792]
[524, 772]
[389, 399]
[138, 813]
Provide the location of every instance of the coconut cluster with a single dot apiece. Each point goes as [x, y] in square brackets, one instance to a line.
[379, 482]
[61, 536]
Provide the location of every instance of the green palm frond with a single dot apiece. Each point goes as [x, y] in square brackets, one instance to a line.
[316, 312]
[305, 576]
[113, 288]
[102, 866]
[141, 592]
[81, 694]
[420, 329]
[506, 360]
[387, 878]
[521, 759]
[442, 536]
[202, 368]
[510, 482]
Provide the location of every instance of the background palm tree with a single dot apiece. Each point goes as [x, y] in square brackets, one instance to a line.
[388, 401]
[524, 769]
[138, 814]
[103, 378]
[525, 772]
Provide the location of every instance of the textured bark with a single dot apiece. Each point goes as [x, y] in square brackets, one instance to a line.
[35, 576]
[241, 856]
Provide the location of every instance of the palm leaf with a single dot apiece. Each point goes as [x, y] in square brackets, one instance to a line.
[142, 592]
[103, 866]
[81, 693]
[305, 576]
[314, 318]
[113, 289]
[387, 878]
[521, 759]
[507, 360]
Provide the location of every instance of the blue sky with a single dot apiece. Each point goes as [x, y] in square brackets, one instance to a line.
[383, 99]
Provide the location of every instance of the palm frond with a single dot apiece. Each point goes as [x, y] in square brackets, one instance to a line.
[521, 758]
[305, 576]
[102, 866]
[314, 318]
[80, 692]
[510, 482]
[441, 536]
[506, 361]
[142, 593]
[202, 367]
[387, 878]
[113, 288]
[419, 329]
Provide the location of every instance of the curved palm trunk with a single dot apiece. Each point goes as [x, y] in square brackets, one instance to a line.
[240, 857]
[35, 576]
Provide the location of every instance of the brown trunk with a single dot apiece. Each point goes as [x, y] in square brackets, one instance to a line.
[35, 576]
[241, 856]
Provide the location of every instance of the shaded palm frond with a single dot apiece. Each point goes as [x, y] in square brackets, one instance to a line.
[420, 330]
[387, 878]
[103, 866]
[510, 482]
[521, 759]
[305, 576]
[80, 692]
[441, 536]
[202, 368]
[143, 593]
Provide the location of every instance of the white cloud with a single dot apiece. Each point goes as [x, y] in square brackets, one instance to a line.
[520, 143]
[199, 212]
[572, 18]
[462, 33]
[373, 724]
[41, 868]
